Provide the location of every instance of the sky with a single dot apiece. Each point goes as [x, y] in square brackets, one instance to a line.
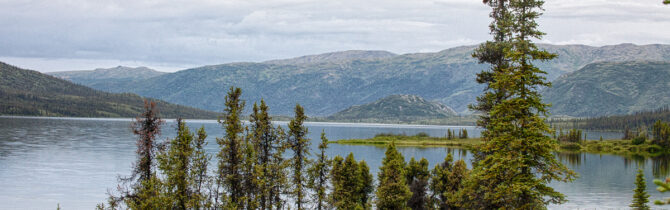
[171, 35]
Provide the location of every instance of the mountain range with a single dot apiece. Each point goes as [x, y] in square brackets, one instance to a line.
[327, 83]
[395, 108]
[27, 92]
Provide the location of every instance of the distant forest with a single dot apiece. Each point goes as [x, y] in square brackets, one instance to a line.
[644, 119]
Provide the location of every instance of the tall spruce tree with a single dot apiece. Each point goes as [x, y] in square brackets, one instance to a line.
[446, 183]
[518, 162]
[319, 174]
[640, 198]
[175, 164]
[199, 180]
[392, 191]
[352, 183]
[417, 177]
[231, 155]
[297, 139]
[266, 143]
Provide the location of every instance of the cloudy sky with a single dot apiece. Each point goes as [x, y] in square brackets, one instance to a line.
[169, 35]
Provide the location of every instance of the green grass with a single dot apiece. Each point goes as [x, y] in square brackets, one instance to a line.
[615, 147]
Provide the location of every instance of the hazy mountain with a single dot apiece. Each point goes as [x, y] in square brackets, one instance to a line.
[611, 88]
[396, 107]
[100, 77]
[334, 57]
[327, 83]
[26, 92]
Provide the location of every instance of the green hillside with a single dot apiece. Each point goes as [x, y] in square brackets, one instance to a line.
[395, 107]
[26, 92]
[325, 84]
[611, 88]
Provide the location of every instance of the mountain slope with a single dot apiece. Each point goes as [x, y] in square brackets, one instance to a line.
[26, 92]
[611, 88]
[396, 107]
[112, 76]
[327, 83]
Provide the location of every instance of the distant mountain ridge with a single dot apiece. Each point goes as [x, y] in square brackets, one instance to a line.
[119, 75]
[327, 83]
[611, 88]
[27, 92]
[395, 107]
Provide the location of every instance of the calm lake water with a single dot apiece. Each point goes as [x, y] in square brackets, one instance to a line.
[75, 161]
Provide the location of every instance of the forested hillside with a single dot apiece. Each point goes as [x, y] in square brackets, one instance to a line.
[26, 92]
[328, 83]
[611, 88]
[395, 107]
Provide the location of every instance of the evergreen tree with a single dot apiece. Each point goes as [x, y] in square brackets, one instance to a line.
[278, 178]
[318, 174]
[517, 161]
[640, 198]
[175, 165]
[446, 182]
[392, 191]
[352, 183]
[300, 146]
[365, 185]
[231, 155]
[251, 175]
[198, 174]
[417, 176]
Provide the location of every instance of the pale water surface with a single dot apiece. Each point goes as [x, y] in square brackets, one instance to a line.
[74, 161]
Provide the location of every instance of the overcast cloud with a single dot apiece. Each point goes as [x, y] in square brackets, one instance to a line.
[55, 35]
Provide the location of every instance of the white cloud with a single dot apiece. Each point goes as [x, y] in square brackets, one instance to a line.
[179, 33]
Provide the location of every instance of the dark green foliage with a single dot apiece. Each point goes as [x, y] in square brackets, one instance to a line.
[392, 191]
[26, 92]
[352, 183]
[200, 182]
[640, 198]
[176, 164]
[515, 163]
[300, 146]
[417, 176]
[661, 133]
[319, 174]
[231, 155]
[639, 140]
[268, 142]
[463, 134]
[446, 182]
[573, 135]
[622, 122]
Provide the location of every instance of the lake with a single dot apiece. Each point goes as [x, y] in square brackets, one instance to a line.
[75, 161]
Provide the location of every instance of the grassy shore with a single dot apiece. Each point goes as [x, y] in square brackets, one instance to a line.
[616, 147]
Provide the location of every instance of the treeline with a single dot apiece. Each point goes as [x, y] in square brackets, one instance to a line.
[643, 119]
[30, 93]
[255, 172]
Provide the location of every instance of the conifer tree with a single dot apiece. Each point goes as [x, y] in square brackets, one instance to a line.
[517, 161]
[392, 191]
[144, 186]
[175, 165]
[198, 174]
[446, 182]
[352, 183]
[640, 198]
[300, 146]
[365, 185]
[231, 155]
[319, 174]
[417, 177]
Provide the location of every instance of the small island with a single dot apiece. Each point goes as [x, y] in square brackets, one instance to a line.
[623, 147]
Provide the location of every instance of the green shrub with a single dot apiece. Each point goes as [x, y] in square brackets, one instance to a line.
[639, 140]
[571, 146]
